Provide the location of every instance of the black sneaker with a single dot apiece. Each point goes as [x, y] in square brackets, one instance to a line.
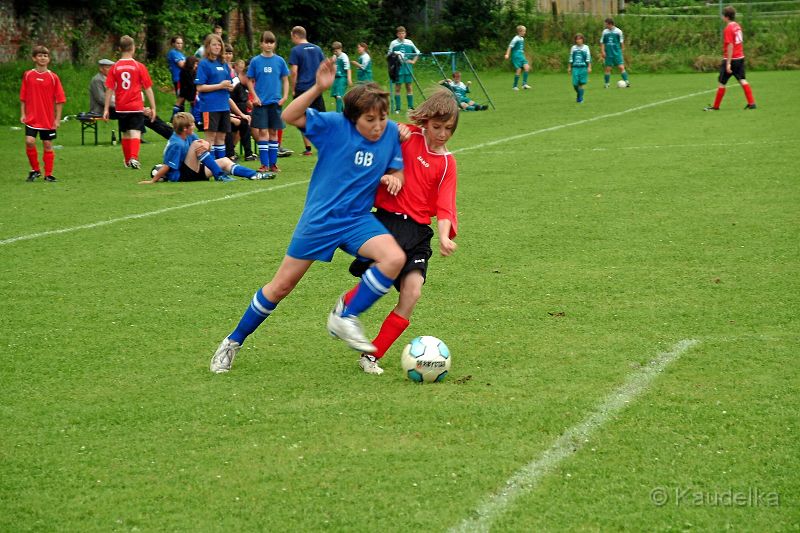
[750, 106]
[50, 178]
[710, 108]
[284, 152]
[33, 174]
[250, 157]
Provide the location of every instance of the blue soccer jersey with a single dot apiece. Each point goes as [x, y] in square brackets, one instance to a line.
[306, 57]
[210, 73]
[267, 73]
[174, 57]
[347, 174]
[175, 153]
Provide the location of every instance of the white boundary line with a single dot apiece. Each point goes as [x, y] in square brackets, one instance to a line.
[71, 229]
[145, 215]
[527, 478]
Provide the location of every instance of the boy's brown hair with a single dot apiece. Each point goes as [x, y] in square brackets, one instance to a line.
[609, 20]
[39, 49]
[181, 121]
[441, 105]
[729, 12]
[579, 36]
[299, 31]
[336, 45]
[365, 97]
[268, 37]
[126, 43]
[363, 45]
[400, 29]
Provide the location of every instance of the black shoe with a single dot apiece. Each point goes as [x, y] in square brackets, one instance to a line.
[33, 174]
[284, 152]
[250, 157]
[50, 178]
[710, 108]
[750, 106]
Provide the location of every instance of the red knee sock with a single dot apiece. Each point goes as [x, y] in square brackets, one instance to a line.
[49, 157]
[720, 94]
[33, 157]
[280, 137]
[349, 296]
[126, 148]
[748, 93]
[393, 326]
[133, 148]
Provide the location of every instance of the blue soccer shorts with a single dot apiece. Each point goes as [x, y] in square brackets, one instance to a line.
[321, 243]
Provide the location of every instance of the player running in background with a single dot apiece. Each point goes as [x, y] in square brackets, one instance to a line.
[429, 191]
[732, 60]
[128, 78]
[358, 151]
[364, 64]
[580, 65]
[344, 77]
[408, 53]
[41, 98]
[516, 51]
[612, 46]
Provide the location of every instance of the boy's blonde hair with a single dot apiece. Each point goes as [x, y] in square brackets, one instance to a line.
[211, 37]
[39, 49]
[181, 121]
[299, 31]
[521, 28]
[441, 105]
[268, 37]
[336, 45]
[365, 97]
[400, 29]
[126, 43]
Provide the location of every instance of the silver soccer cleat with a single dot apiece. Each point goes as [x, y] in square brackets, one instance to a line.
[348, 328]
[369, 364]
[224, 356]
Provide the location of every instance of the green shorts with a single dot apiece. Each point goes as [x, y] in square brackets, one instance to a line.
[339, 87]
[518, 60]
[405, 74]
[580, 75]
[613, 59]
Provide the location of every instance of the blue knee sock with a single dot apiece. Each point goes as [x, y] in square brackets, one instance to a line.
[258, 311]
[263, 152]
[208, 160]
[219, 151]
[242, 171]
[372, 286]
[580, 94]
[516, 80]
[273, 153]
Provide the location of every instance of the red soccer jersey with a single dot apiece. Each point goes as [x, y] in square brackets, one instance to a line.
[127, 78]
[41, 91]
[733, 35]
[430, 184]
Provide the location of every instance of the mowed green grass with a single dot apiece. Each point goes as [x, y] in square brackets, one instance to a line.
[585, 250]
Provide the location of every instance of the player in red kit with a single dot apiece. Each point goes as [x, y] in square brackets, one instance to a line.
[732, 60]
[41, 101]
[128, 78]
[429, 191]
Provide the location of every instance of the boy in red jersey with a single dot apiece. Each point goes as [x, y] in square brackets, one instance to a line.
[732, 60]
[128, 78]
[41, 101]
[429, 191]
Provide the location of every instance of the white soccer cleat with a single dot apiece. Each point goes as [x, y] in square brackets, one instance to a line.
[224, 356]
[134, 164]
[526, 86]
[515, 88]
[348, 328]
[369, 364]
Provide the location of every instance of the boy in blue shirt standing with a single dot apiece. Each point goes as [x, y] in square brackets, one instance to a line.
[358, 152]
[175, 61]
[268, 81]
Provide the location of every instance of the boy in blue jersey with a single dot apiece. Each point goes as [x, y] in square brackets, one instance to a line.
[214, 84]
[579, 65]
[175, 61]
[268, 81]
[358, 152]
[187, 158]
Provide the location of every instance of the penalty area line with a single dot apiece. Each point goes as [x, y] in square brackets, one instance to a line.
[570, 442]
[146, 214]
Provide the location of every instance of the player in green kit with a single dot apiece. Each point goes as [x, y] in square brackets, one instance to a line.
[343, 78]
[516, 50]
[364, 64]
[612, 44]
[408, 53]
[580, 65]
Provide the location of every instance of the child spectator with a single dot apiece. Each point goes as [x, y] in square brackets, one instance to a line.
[186, 88]
[358, 151]
[214, 84]
[240, 129]
[460, 92]
[127, 79]
[200, 53]
[516, 50]
[343, 78]
[429, 191]
[408, 54]
[41, 99]
[187, 158]
[175, 61]
[268, 81]
[580, 65]
[364, 64]
[304, 60]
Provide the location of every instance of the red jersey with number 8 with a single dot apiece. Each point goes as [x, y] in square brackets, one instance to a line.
[733, 35]
[127, 78]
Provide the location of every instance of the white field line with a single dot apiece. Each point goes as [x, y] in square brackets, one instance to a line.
[651, 147]
[528, 477]
[71, 229]
[145, 215]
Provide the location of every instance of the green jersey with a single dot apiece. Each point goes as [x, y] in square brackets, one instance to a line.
[579, 56]
[342, 65]
[406, 50]
[612, 40]
[517, 46]
[365, 70]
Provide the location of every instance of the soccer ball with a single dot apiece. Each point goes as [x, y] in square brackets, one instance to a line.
[155, 170]
[622, 84]
[426, 359]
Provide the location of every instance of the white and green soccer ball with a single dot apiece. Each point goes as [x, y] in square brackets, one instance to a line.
[622, 84]
[426, 359]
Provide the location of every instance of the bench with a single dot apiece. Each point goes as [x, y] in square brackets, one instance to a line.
[88, 122]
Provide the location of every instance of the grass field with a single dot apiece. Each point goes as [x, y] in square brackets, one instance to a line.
[595, 239]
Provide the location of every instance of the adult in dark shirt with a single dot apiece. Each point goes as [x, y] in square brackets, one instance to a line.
[304, 60]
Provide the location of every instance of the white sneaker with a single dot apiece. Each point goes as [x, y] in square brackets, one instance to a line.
[223, 357]
[348, 328]
[526, 86]
[369, 364]
[515, 88]
[133, 163]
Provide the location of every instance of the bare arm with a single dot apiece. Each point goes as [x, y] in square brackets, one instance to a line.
[107, 105]
[236, 110]
[393, 180]
[295, 113]
[224, 84]
[292, 77]
[59, 109]
[285, 91]
[152, 99]
[446, 245]
[22, 112]
[251, 86]
[728, 57]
